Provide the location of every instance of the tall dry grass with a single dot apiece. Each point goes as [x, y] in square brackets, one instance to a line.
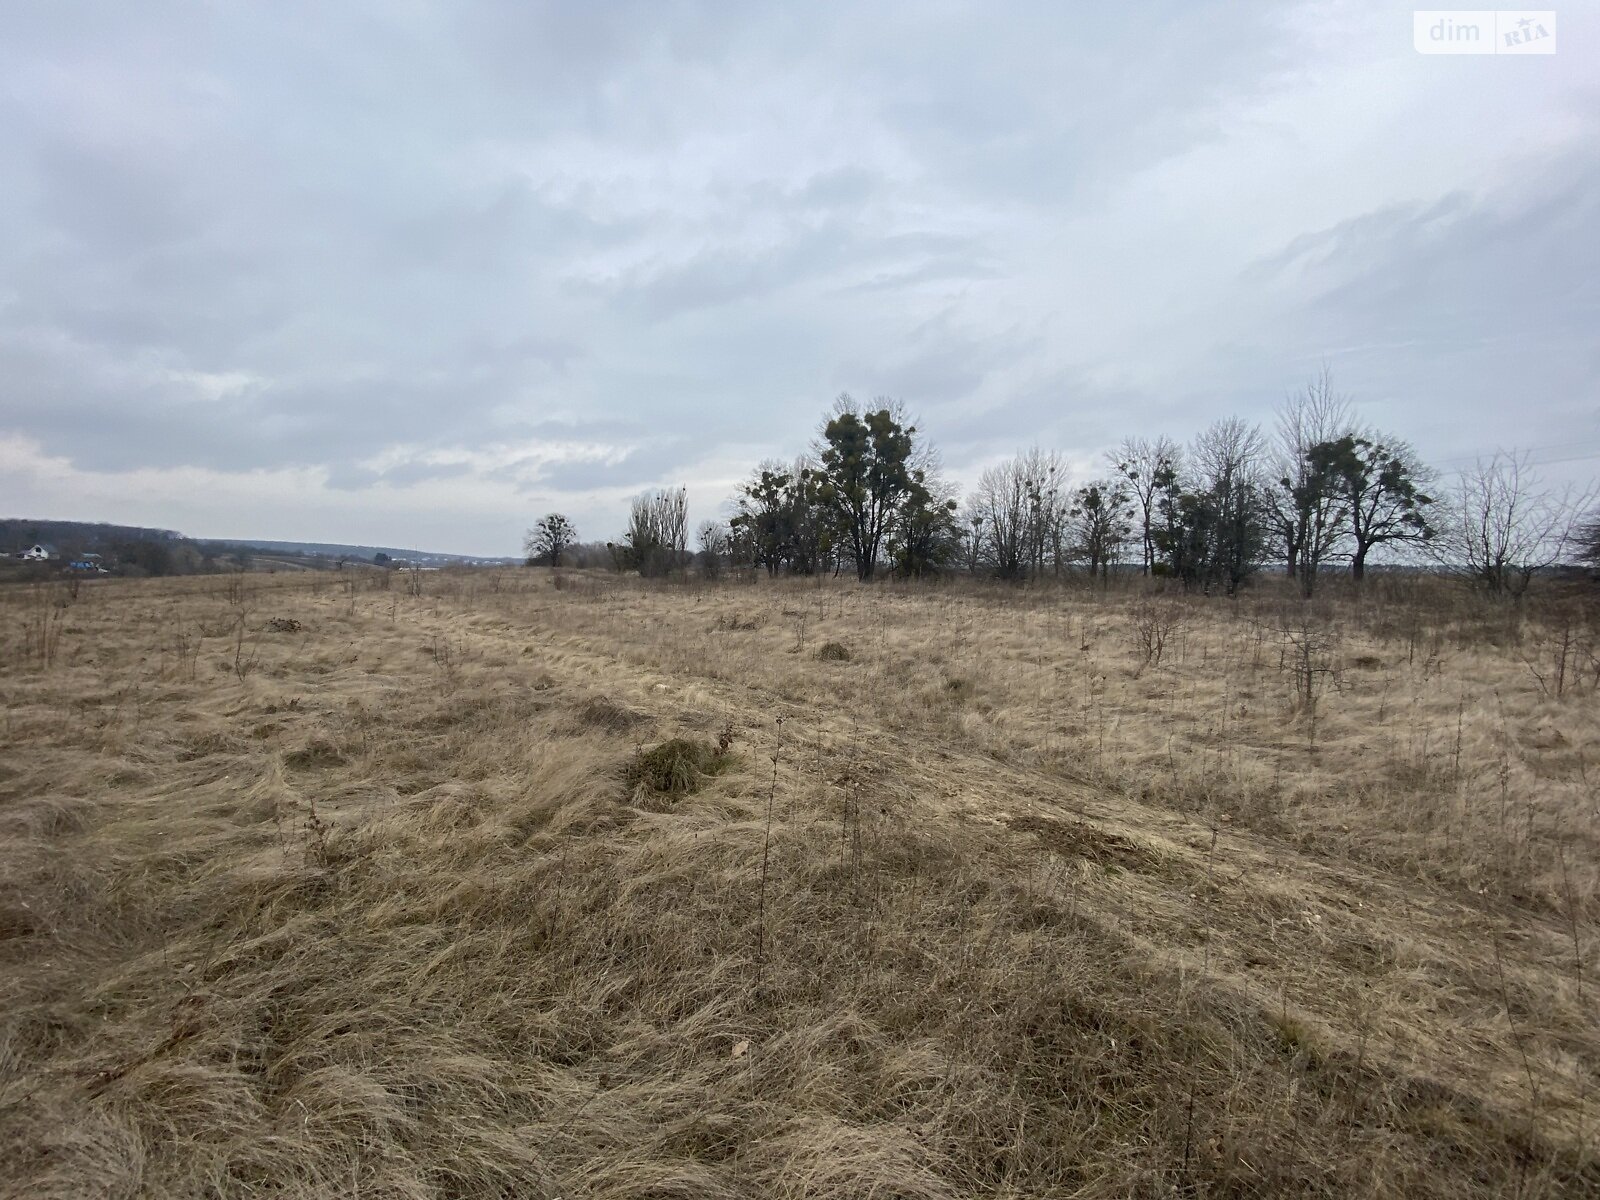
[319, 888]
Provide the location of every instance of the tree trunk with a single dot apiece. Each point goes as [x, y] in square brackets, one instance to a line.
[1358, 562]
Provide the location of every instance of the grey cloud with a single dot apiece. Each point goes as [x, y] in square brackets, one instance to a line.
[938, 269]
[348, 477]
[1360, 242]
[1042, 107]
[105, 421]
[814, 254]
[844, 187]
[938, 362]
[638, 468]
[1499, 295]
[1063, 409]
[451, 232]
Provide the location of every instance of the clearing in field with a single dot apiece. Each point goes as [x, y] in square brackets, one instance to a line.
[517, 884]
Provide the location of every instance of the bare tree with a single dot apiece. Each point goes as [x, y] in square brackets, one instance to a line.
[548, 540]
[1587, 546]
[1000, 507]
[1307, 508]
[1227, 452]
[1101, 517]
[1021, 507]
[657, 540]
[973, 540]
[1148, 465]
[1227, 459]
[1501, 525]
[716, 544]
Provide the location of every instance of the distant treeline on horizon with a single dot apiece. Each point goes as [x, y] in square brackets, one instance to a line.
[1320, 492]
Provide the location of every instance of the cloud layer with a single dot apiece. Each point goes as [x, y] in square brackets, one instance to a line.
[417, 273]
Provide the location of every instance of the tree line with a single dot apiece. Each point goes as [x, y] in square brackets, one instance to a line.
[1315, 492]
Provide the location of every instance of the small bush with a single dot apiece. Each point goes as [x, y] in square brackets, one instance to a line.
[834, 652]
[675, 767]
[1155, 624]
[284, 625]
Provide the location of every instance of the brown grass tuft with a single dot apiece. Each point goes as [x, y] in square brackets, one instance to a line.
[603, 713]
[675, 767]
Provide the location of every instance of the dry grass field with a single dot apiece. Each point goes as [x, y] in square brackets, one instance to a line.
[380, 886]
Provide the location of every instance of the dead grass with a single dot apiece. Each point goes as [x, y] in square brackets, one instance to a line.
[1012, 908]
[602, 713]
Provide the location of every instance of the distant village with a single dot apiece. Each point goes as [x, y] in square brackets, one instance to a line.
[44, 549]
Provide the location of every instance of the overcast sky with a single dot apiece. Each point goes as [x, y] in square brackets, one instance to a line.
[415, 272]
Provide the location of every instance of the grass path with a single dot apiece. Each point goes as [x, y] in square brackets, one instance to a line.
[1353, 959]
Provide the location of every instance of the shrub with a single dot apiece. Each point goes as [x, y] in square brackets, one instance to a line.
[675, 767]
[834, 652]
[1155, 623]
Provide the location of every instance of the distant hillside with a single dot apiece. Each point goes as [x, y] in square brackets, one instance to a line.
[18, 533]
[344, 550]
[120, 549]
[134, 549]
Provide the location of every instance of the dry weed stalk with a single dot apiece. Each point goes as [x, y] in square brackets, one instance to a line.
[1156, 622]
[766, 848]
[44, 617]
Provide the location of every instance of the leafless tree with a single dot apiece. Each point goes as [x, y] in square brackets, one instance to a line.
[1021, 507]
[1227, 461]
[716, 542]
[974, 541]
[1000, 508]
[658, 531]
[1101, 522]
[1307, 509]
[1501, 524]
[549, 539]
[1148, 465]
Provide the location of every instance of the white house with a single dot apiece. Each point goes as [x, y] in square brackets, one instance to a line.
[39, 552]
